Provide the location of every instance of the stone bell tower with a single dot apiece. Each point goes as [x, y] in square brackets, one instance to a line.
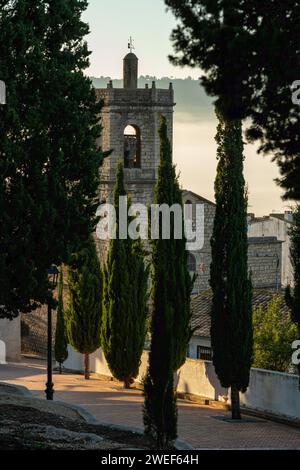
[130, 121]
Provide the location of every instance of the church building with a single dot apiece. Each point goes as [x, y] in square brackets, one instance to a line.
[130, 121]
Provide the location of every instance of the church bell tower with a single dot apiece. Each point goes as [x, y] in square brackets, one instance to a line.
[130, 121]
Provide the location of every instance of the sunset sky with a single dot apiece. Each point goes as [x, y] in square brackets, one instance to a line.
[111, 23]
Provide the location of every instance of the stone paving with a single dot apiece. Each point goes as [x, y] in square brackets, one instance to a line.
[201, 426]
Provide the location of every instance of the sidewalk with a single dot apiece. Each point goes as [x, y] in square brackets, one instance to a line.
[200, 426]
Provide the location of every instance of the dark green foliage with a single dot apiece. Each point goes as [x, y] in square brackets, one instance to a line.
[248, 51]
[180, 283]
[181, 286]
[61, 342]
[274, 333]
[170, 325]
[49, 162]
[292, 296]
[124, 301]
[160, 411]
[83, 316]
[231, 331]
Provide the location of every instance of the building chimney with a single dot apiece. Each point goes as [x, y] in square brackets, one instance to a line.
[288, 216]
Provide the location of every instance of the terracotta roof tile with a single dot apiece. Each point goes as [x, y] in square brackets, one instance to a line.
[201, 309]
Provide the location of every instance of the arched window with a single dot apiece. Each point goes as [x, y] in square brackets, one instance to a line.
[132, 147]
[189, 209]
[191, 261]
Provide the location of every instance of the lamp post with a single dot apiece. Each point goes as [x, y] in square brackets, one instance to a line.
[53, 276]
[2, 92]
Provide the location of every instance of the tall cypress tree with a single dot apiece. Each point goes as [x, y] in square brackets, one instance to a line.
[124, 300]
[231, 331]
[180, 297]
[170, 325]
[61, 342]
[83, 316]
[49, 165]
[225, 39]
[292, 296]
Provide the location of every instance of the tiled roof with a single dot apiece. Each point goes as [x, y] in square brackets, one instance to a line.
[201, 314]
[201, 309]
[263, 240]
[266, 218]
[197, 196]
[283, 218]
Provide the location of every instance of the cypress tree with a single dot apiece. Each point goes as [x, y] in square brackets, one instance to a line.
[180, 297]
[292, 296]
[124, 300]
[49, 165]
[231, 330]
[221, 38]
[170, 324]
[61, 342]
[83, 316]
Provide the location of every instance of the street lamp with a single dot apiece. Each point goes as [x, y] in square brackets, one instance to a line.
[53, 273]
[2, 92]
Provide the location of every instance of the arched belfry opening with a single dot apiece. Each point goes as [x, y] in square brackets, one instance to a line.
[132, 147]
[189, 209]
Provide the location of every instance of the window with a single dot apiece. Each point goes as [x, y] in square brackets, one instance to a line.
[189, 209]
[132, 147]
[191, 263]
[204, 353]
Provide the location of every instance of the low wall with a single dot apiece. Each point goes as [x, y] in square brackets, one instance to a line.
[269, 392]
[10, 335]
[34, 340]
[273, 392]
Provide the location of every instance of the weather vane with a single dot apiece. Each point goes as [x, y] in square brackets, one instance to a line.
[130, 44]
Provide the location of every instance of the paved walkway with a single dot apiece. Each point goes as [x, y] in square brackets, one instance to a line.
[201, 426]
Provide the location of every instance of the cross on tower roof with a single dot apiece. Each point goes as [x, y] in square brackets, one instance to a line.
[130, 44]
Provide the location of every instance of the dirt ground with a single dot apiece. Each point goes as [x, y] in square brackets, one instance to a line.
[25, 425]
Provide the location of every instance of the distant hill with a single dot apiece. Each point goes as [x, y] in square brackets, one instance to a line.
[192, 103]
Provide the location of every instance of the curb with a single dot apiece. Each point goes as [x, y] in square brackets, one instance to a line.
[281, 419]
[24, 391]
[90, 418]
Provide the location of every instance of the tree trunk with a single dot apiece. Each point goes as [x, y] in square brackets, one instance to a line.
[127, 383]
[235, 403]
[86, 366]
[60, 369]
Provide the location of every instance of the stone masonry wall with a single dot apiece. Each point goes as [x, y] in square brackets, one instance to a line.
[264, 259]
[140, 108]
[264, 254]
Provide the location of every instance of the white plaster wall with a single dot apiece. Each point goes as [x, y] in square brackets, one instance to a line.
[274, 392]
[75, 360]
[269, 391]
[10, 334]
[98, 363]
[195, 342]
[199, 378]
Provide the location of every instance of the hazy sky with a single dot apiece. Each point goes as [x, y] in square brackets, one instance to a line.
[111, 23]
